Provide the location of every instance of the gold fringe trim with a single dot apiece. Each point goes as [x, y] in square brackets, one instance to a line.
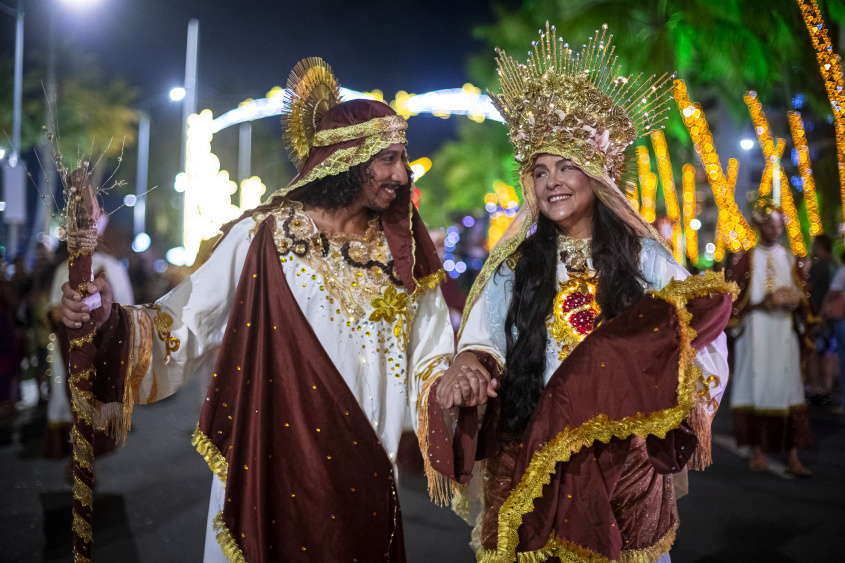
[87, 339]
[652, 553]
[231, 549]
[82, 528]
[83, 493]
[601, 428]
[215, 460]
[439, 486]
[430, 282]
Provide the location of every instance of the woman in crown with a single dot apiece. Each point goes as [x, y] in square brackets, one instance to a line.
[596, 372]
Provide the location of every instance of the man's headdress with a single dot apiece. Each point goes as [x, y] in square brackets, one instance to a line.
[577, 106]
[325, 136]
[764, 206]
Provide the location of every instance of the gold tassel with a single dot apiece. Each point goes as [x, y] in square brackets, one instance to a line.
[700, 420]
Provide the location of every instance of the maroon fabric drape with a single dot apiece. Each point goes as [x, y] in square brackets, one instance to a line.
[308, 479]
[626, 366]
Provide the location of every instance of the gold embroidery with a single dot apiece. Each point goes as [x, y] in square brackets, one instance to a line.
[78, 343]
[163, 323]
[215, 460]
[574, 311]
[81, 528]
[574, 251]
[710, 402]
[601, 428]
[82, 493]
[390, 307]
[228, 544]
[389, 127]
[436, 362]
[430, 281]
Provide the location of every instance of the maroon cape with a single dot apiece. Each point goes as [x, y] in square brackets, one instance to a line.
[632, 376]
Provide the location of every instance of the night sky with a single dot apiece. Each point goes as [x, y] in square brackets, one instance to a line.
[249, 46]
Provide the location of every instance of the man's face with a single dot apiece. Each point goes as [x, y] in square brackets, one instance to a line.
[771, 228]
[387, 174]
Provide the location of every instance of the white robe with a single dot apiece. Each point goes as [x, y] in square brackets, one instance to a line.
[767, 371]
[384, 377]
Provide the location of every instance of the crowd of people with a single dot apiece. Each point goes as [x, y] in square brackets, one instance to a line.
[578, 391]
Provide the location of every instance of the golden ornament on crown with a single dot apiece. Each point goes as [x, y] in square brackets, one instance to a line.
[576, 105]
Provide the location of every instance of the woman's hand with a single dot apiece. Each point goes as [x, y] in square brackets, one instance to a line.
[465, 384]
[75, 312]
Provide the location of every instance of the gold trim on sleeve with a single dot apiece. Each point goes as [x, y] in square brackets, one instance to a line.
[163, 323]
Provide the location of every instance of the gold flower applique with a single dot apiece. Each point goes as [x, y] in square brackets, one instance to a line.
[393, 306]
[163, 323]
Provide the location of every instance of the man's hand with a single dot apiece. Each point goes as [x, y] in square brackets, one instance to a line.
[75, 312]
[465, 384]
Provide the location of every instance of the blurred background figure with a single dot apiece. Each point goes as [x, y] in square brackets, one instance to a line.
[821, 364]
[834, 310]
[770, 321]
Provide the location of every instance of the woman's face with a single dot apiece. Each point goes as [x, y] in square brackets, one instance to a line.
[564, 195]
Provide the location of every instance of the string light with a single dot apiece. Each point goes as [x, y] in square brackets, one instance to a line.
[648, 184]
[772, 155]
[831, 71]
[670, 194]
[688, 190]
[696, 124]
[723, 224]
[799, 137]
[502, 204]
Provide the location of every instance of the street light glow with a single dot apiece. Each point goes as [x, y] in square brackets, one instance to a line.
[2, 153]
[746, 144]
[695, 224]
[177, 94]
[81, 4]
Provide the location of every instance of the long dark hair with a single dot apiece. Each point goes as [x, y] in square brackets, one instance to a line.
[336, 191]
[616, 260]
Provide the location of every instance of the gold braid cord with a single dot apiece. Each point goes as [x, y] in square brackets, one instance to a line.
[601, 428]
[312, 90]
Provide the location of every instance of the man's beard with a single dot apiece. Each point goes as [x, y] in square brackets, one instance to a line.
[396, 186]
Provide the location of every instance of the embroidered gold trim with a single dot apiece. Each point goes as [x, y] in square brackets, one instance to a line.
[79, 342]
[77, 253]
[82, 492]
[82, 448]
[163, 323]
[437, 361]
[561, 326]
[231, 549]
[78, 558]
[215, 460]
[653, 552]
[429, 282]
[389, 126]
[82, 528]
[601, 428]
[341, 161]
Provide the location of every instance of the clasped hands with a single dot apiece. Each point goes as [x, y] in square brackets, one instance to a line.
[466, 383]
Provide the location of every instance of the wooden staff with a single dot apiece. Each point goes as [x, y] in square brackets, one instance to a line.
[82, 213]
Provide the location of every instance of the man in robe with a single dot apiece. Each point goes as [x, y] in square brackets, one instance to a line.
[770, 320]
[321, 316]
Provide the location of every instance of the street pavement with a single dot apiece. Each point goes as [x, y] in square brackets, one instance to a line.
[151, 499]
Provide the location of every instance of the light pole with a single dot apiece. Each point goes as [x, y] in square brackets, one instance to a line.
[142, 175]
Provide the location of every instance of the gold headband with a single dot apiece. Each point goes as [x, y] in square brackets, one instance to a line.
[391, 127]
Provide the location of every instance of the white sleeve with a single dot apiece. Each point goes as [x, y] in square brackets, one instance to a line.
[838, 283]
[659, 268]
[174, 336]
[432, 344]
[485, 327]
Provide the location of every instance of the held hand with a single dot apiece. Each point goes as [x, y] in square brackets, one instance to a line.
[75, 312]
[466, 384]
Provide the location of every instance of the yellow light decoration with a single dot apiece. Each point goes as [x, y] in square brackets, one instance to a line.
[400, 104]
[631, 194]
[772, 155]
[420, 166]
[208, 190]
[251, 191]
[503, 196]
[696, 124]
[688, 190]
[648, 184]
[831, 71]
[799, 137]
[723, 223]
[670, 193]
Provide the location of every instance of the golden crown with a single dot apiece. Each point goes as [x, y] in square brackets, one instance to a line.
[577, 105]
[763, 207]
